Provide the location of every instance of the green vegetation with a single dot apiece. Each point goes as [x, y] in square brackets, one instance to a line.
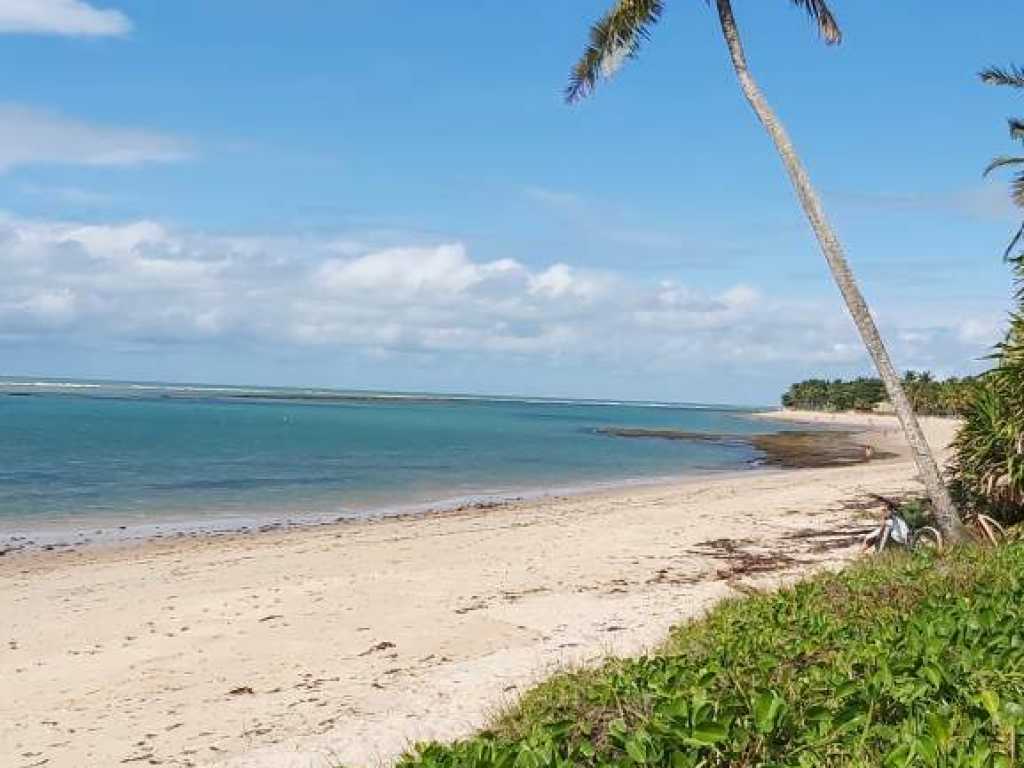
[927, 395]
[987, 470]
[988, 464]
[905, 661]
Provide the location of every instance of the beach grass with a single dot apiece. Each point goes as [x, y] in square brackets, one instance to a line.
[896, 661]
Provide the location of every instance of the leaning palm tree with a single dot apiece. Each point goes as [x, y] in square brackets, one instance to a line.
[618, 37]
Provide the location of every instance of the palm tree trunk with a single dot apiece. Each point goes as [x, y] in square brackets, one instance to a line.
[945, 511]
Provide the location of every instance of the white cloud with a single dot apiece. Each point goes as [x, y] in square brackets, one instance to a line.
[30, 136]
[982, 330]
[144, 282]
[562, 281]
[402, 274]
[71, 18]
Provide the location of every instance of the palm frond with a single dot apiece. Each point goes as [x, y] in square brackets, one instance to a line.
[1008, 256]
[1001, 162]
[1016, 128]
[1017, 186]
[1013, 76]
[822, 16]
[613, 39]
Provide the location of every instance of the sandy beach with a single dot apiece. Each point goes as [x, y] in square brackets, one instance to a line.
[345, 643]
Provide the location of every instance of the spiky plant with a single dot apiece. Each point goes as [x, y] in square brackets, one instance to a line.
[988, 455]
[618, 37]
[988, 452]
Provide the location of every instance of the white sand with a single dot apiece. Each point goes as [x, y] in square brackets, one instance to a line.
[938, 429]
[355, 639]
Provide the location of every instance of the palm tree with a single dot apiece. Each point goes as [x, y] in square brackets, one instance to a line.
[1014, 78]
[618, 36]
[988, 455]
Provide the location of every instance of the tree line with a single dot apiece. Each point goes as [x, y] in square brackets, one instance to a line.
[928, 396]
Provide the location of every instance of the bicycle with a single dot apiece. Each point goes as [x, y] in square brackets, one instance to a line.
[894, 529]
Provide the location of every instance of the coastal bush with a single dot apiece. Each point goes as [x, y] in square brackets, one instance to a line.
[927, 395]
[987, 469]
[903, 661]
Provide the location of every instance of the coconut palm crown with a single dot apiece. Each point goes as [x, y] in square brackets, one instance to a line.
[1012, 77]
[618, 36]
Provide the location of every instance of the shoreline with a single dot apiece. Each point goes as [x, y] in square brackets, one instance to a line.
[121, 533]
[311, 647]
[792, 451]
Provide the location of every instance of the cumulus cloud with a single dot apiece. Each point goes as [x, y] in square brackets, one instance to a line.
[141, 281]
[71, 18]
[561, 281]
[405, 274]
[30, 136]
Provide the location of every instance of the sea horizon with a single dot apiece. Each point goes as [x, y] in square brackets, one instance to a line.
[75, 382]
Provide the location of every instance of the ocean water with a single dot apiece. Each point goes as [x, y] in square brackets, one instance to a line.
[81, 454]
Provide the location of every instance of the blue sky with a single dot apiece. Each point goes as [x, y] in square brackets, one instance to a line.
[335, 194]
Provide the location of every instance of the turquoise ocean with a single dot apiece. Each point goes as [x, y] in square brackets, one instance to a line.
[94, 455]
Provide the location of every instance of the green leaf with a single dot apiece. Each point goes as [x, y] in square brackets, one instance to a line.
[767, 706]
[990, 700]
[980, 757]
[847, 689]
[709, 733]
[928, 750]
[636, 749]
[938, 727]
[817, 714]
[527, 758]
[850, 717]
[932, 674]
[899, 757]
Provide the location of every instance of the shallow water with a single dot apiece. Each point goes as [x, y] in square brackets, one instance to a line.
[77, 453]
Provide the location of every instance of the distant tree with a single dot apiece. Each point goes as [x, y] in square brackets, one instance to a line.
[928, 395]
[618, 36]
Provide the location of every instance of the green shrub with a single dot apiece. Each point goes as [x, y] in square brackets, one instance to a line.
[987, 469]
[988, 464]
[911, 661]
